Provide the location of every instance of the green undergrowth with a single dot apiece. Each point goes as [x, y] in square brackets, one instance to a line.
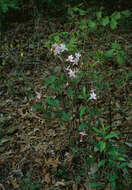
[81, 96]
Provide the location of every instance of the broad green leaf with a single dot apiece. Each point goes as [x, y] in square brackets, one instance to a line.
[120, 59]
[102, 146]
[114, 153]
[57, 39]
[116, 46]
[116, 15]
[123, 165]
[101, 163]
[37, 107]
[99, 15]
[113, 23]
[126, 13]
[105, 21]
[98, 131]
[4, 7]
[82, 126]
[92, 24]
[109, 53]
[121, 159]
[82, 111]
[82, 12]
[112, 177]
[80, 97]
[83, 24]
[76, 9]
[120, 56]
[111, 135]
[66, 116]
[3, 63]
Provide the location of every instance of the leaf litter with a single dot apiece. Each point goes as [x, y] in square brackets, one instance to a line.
[27, 145]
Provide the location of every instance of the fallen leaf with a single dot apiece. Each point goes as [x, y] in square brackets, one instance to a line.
[60, 183]
[47, 178]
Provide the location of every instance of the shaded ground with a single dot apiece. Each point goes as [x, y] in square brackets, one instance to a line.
[30, 151]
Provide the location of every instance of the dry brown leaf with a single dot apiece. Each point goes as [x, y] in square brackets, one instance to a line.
[13, 181]
[59, 183]
[54, 163]
[74, 186]
[69, 159]
[47, 178]
[2, 187]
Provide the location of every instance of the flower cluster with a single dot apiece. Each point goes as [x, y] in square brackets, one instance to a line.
[59, 48]
[73, 60]
[72, 72]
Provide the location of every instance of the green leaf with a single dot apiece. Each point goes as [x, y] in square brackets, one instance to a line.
[84, 91]
[66, 116]
[3, 63]
[123, 165]
[98, 131]
[102, 146]
[113, 23]
[101, 163]
[76, 9]
[120, 57]
[111, 135]
[37, 107]
[116, 15]
[99, 15]
[121, 159]
[114, 154]
[82, 111]
[112, 177]
[95, 185]
[80, 97]
[82, 126]
[116, 46]
[92, 24]
[4, 8]
[82, 12]
[126, 13]
[109, 53]
[105, 21]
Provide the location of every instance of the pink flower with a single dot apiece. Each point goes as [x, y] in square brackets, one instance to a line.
[93, 96]
[71, 73]
[76, 61]
[58, 49]
[38, 95]
[63, 47]
[70, 58]
[55, 45]
[82, 133]
[78, 55]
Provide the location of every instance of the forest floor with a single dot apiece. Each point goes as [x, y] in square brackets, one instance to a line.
[35, 155]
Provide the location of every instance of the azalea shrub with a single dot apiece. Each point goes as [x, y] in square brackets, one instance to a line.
[75, 97]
